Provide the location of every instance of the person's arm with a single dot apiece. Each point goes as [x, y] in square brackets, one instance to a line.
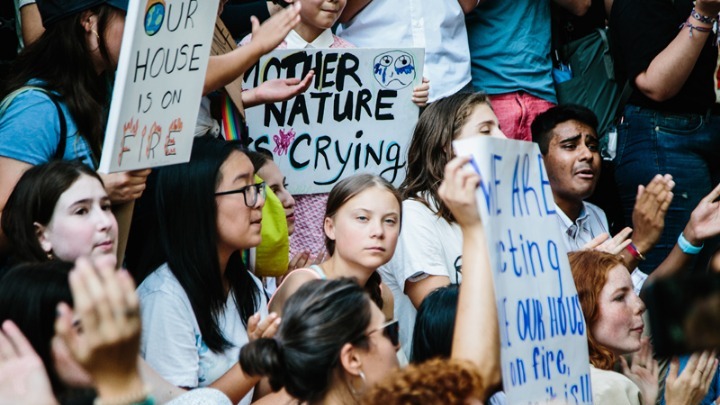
[10, 172]
[352, 7]
[418, 290]
[648, 216]
[476, 337]
[276, 90]
[577, 7]
[31, 23]
[224, 69]
[670, 69]
[468, 5]
[388, 308]
[704, 224]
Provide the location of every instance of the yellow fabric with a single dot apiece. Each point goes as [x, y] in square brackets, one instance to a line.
[272, 255]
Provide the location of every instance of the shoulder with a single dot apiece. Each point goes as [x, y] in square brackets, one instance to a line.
[292, 282]
[341, 43]
[610, 387]
[161, 281]
[31, 98]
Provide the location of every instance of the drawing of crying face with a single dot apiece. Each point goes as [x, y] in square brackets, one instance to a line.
[394, 70]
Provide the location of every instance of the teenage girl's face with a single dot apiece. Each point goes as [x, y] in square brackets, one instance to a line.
[366, 228]
[238, 225]
[319, 15]
[620, 325]
[481, 122]
[270, 173]
[82, 223]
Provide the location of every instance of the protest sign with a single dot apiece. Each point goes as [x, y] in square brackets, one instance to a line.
[542, 329]
[357, 115]
[158, 84]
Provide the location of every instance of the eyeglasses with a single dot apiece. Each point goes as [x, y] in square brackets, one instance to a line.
[390, 330]
[250, 193]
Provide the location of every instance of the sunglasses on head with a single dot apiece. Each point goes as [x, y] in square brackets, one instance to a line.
[390, 330]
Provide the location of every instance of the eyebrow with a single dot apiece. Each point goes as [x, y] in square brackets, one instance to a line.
[243, 176]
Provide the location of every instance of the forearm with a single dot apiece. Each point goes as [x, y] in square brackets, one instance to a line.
[577, 7]
[161, 389]
[668, 72]
[223, 69]
[476, 337]
[235, 383]
[352, 8]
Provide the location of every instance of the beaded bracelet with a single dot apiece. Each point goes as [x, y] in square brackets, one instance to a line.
[702, 18]
[694, 27]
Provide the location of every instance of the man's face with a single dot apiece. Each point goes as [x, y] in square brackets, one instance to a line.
[573, 162]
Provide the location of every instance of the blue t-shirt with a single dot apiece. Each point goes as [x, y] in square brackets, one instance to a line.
[510, 47]
[30, 131]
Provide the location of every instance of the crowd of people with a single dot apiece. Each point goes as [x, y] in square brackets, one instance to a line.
[233, 290]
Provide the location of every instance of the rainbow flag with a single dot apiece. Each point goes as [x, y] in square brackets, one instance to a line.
[232, 122]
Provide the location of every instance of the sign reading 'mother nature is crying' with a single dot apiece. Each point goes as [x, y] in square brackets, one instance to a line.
[357, 115]
[544, 350]
[158, 84]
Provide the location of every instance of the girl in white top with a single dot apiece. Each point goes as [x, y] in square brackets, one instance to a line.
[200, 304]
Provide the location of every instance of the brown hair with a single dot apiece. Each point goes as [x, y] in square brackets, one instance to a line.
[431, 148]
[436, 381]
[590, 270]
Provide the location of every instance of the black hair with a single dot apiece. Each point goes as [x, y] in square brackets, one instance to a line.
[318, 320]
[29, 295]
[187, 239]
[60, 58]
[435, 325]
[33, 201]
[259, 158]
[543, 125]
[343, 191]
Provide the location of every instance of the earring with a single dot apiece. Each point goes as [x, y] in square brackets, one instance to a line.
[357, 392]
[96, 34]
[50, 255]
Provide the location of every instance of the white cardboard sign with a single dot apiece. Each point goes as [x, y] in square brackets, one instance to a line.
[158, 84]
[544, 349]
[357, 115]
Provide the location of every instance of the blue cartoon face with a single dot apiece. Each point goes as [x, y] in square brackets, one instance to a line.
[394, 70]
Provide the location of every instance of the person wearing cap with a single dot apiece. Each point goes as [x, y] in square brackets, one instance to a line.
[55, 101]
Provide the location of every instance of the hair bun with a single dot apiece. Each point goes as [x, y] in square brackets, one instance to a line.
[264, 357]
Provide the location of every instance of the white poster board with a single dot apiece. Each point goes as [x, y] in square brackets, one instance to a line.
[158, 84]
[542, 329]
[357, 115]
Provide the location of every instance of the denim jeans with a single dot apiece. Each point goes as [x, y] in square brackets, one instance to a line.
[517, 111]
[687, 146]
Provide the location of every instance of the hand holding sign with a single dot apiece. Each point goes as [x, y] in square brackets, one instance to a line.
[125, 186]
[458, 192]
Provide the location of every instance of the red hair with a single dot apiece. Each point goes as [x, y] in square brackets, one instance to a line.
[590, 270]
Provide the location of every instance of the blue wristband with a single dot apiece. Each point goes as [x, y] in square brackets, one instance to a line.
[687, 247]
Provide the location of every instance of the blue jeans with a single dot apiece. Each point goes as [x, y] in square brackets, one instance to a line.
[687, 146]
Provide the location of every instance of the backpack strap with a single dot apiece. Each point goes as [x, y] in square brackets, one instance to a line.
[5, 104]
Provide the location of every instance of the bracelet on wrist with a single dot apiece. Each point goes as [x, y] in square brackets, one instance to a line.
[634, 252]
[702, 18]
[687, 247]
[142, 397]
[695, 28]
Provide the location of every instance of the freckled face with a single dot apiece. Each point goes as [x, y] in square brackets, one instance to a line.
[620, 324]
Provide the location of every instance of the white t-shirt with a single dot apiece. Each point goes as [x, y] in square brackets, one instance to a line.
[171, 341]
[437, 26]
[428, 246]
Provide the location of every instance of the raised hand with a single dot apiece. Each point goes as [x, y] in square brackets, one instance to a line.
[644, 371]
[108, 344]
[693, 383]
[23, 379]
[651, 205]
[268, 35]
[457, 191]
